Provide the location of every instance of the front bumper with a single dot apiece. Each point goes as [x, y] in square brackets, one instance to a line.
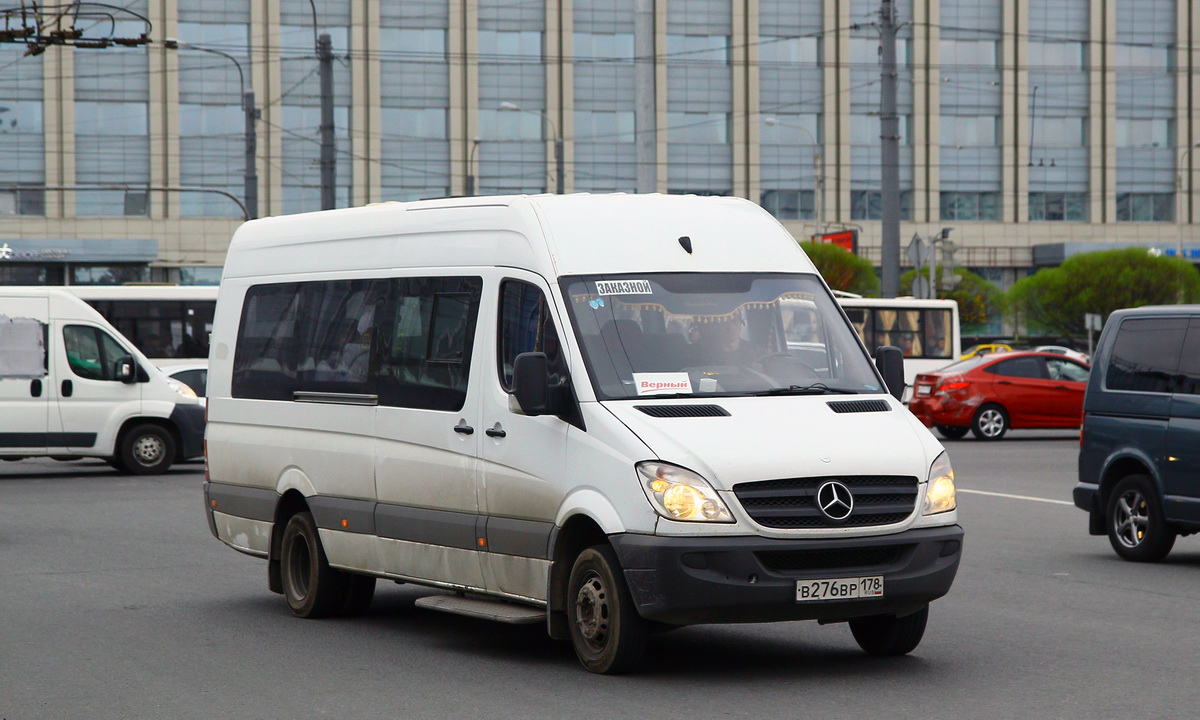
[691, 580]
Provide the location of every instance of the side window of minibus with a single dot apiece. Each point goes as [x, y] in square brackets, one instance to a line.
[526, 326]
[426, 342]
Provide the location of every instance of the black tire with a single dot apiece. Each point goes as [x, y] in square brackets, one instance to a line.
[147, 449]
[608, 634]
[1137, 529]
[312, 588]
[952, 432]
[888, 635]
[990, 422]
[117, 463]
[360, 590]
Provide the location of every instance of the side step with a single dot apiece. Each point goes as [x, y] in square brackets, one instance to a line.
[496, 610]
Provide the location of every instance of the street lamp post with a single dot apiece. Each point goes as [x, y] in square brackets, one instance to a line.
[560, 177]
[818, 179]
[471, 166]
[250, 189]
[1180, 203]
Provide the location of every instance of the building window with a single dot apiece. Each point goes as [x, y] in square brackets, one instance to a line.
[788, 50]
[967, 54]
[1064, 206]
[789, 204]
[868, 205]
[970, 130]
[1146, 207]
[1057, 56]
[1154, 132]
[970, 206]
[692, 127]
[1059, 131]
[23, 201]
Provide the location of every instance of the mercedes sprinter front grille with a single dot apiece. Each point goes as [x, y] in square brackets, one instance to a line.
[791, 503]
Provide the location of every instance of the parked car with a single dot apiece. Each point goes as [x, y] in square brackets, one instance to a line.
[194, 375]
[1139, 450]
[1064, 350]
[988, 394]
[984, 349]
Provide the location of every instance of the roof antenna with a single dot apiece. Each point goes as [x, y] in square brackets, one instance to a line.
[686, 243]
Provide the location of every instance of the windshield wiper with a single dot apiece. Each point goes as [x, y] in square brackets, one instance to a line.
[814, 389]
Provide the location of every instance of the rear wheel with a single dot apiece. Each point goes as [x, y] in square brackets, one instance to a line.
[147, 449]
[313, 589]
[608, 634]
[952, 432]
[1136, 527]
[990, 422]
[888, 635]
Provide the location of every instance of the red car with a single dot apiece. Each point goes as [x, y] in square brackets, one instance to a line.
[989, 394]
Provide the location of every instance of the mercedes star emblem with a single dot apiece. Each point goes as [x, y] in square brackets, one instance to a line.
[835, 500]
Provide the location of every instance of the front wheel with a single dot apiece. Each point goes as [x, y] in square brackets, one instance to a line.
[888, 635]
[1137, 529]
[146, 450]
[990, 423]
[952, 432]
[608, 634]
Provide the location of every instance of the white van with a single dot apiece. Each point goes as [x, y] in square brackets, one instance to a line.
[579, 410]
[71, 386]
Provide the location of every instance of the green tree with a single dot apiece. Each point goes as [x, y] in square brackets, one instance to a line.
[842, 269]
[1056, 299]
[977, 298]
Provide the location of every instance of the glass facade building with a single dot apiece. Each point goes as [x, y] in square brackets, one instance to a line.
[1022, 124]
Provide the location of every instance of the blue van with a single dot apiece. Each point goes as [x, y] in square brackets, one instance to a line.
[1139, 447]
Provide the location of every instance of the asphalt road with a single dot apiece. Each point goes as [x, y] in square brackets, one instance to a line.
[116, 602]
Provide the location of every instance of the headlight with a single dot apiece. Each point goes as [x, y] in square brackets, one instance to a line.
[181, 388]
[679, 494]
[939, 496]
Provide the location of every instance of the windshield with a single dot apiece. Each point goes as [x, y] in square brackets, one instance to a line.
[672, 334]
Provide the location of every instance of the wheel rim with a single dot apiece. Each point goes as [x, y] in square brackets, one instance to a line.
[991, 422]
[148, 450]
[593, 613]
[1131, 520]
[299, 560]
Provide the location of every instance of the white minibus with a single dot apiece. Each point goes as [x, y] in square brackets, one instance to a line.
[71, 386]
[583, 411]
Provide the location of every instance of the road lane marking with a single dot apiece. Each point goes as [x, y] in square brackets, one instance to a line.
[1017, 497]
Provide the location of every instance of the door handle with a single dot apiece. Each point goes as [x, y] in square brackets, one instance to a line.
[463, 427]
[496, 432]
[1061, 387]
[35, 388]
[67, 388]
[1003, 382]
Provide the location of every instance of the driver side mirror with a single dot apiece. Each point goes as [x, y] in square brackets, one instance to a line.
[127, 370]
[890, 361]
[531, 383]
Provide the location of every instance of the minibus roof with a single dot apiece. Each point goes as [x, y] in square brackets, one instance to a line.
[550, 234]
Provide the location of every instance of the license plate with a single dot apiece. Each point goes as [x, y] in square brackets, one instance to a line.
[924, 389]
[839, 589]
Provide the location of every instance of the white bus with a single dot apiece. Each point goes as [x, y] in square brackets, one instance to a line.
[169, 324]
[926, 330]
